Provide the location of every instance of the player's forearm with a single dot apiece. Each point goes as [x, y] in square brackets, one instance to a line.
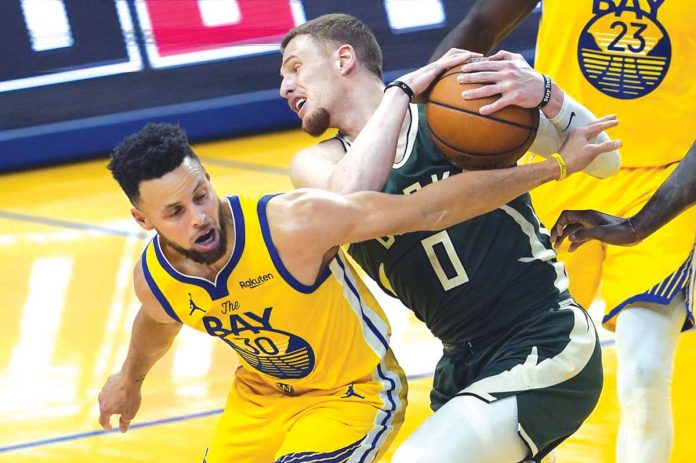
[674, 196]
[471, 194]
[487, 23]
[368, 163]
[150, 340]
[438, 205]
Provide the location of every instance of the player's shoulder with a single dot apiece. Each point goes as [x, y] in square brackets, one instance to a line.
[331, 148]
[313, 165]
[143, 287]
[140, 284]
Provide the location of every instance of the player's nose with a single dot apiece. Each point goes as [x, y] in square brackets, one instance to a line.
[287, 86]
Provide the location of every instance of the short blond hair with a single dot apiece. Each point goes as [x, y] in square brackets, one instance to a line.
[340, 29]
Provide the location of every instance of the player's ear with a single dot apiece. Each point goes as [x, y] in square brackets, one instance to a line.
[347, 59]
[141, 219]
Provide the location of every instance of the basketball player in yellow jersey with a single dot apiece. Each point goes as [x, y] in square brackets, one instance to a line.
[317, 380]
[633, 56]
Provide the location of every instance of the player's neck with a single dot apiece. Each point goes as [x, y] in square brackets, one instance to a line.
[358, 106]
[403, 134]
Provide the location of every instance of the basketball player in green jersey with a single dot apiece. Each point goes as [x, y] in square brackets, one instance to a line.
[521, 368]
[636, 58]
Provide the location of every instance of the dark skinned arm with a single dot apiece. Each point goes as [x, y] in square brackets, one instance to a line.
[674, 196]
[487, 23]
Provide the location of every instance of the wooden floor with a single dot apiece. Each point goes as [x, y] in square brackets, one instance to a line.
[67, 249]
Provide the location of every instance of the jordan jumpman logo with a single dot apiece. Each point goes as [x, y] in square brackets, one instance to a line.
[351, 393]
[193, 306]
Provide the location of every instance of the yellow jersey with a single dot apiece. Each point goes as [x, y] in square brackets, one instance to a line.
[630, 58]
[292, 337]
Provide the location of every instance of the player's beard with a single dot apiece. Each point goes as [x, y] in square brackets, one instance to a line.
[205, 258]
[317, 122]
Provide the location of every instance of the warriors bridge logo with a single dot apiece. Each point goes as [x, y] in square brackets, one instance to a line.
[624, 51]
[271, 351]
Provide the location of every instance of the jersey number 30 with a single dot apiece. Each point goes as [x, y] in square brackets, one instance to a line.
[455, 275]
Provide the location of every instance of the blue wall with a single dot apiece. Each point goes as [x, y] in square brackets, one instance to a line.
[49, 114]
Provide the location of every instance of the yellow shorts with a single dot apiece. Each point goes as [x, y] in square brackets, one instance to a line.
[652, 271]
[355, 422]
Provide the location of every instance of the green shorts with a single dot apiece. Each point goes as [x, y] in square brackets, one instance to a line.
[551, 362]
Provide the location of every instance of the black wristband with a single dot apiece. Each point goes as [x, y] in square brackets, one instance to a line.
[547, 92]
[406, 89]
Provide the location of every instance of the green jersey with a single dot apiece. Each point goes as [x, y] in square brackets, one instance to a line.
[474, 278]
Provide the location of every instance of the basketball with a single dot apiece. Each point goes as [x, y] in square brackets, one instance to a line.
[476, 141]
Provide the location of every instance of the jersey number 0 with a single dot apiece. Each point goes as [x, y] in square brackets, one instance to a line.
[457, 274]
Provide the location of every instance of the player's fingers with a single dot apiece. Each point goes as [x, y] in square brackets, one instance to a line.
[481, 92]
[123, 424]
[502, 55]
[557, 237]
[610, 117]
[609, 145]
[559, 231]
[105, 420]
[595, 128]
[582, 236]
[456, 58]
[454, 51]
[558, 234]
[497, 105]
[568, 231]
[483, 65]
[575, 245]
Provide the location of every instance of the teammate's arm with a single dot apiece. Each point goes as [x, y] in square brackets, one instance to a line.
[674, 196]
[487, 23]
[152, 334]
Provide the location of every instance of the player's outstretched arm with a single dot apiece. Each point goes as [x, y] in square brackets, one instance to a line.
[486, 24]
[319, 220]
[674, 196]
[152, 335]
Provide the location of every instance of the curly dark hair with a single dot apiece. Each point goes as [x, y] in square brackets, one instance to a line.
[154, 151]
[339, 29]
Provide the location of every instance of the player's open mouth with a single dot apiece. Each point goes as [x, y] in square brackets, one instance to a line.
[208, 239]
[298, 104]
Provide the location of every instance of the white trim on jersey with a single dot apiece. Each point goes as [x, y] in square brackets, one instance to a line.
[410, 136]
[533, 374]
[528, 440]
[390, 395]
[367, 317]
[539, 251]
[390, 380]
[690, 286]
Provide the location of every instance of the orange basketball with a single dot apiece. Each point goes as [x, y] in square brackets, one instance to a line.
[472, 140]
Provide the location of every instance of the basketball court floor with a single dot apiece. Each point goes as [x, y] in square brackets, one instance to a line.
[67, 249]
